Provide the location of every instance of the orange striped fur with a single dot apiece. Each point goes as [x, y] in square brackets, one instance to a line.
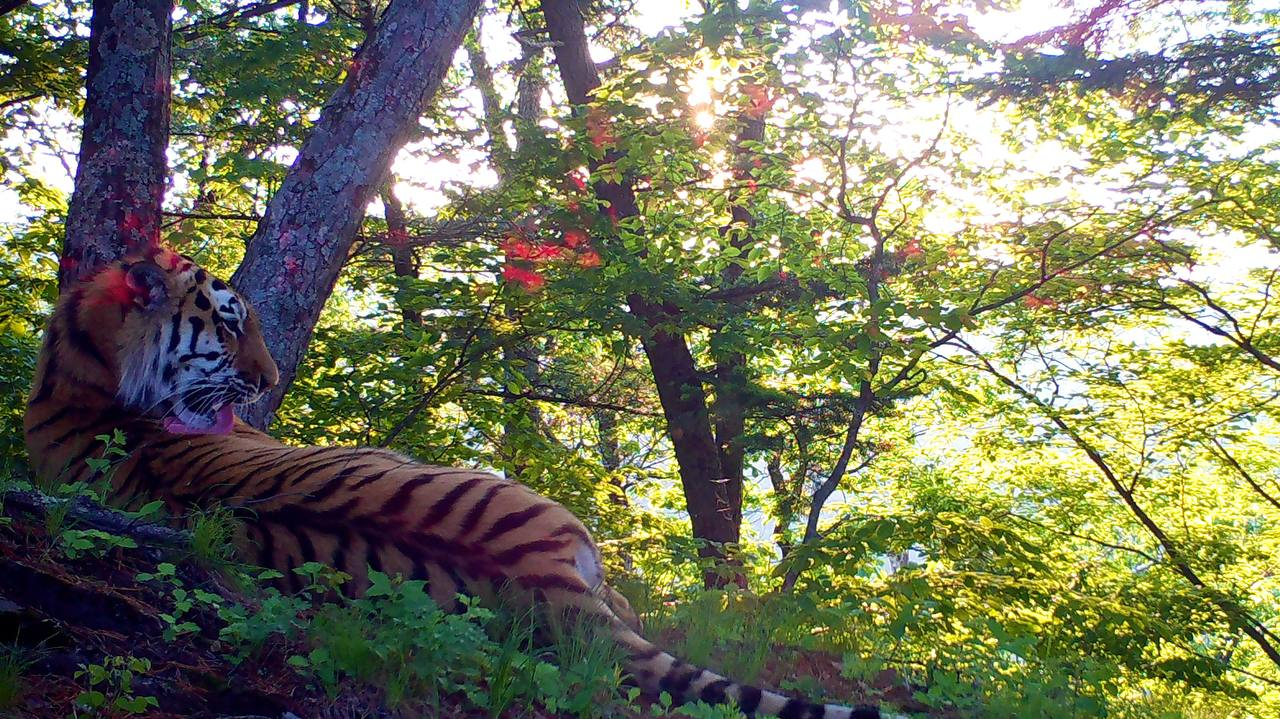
[157, 347]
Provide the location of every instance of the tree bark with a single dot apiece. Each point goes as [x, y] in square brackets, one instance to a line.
[293, 259]
[715, 517]
[120, 176]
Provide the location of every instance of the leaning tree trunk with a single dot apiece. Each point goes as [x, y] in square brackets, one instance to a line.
[293, 259]
[715, 508]
[120, 176]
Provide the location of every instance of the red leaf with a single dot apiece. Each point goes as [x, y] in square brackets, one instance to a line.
[516, 248]
[525, 278]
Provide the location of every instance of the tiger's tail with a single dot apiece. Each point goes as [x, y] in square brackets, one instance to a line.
[657, 671]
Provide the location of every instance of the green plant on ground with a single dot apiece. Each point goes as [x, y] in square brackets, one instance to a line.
[213, 534]
[113, 453]
[246, 630]
[585, 678]
[185, 599]
[397, 638]
[76, 543]
[111, 687]
[14, 662]
[513, 670]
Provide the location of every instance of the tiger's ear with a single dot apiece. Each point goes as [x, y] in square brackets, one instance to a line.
[148, 285]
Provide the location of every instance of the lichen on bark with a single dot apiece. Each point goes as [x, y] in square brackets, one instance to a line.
[120, 176]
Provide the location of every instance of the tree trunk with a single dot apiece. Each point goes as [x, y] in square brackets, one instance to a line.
[713, 512]
[293, 259]
[729, 410]
[403, 262]
[120, 176]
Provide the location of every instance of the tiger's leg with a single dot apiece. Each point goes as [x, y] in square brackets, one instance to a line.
[353, 552]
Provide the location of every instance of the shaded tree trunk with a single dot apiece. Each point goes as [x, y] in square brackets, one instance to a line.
[293, 259]
[729, 410]
[120, 176]
[715, 517]
[403, 262]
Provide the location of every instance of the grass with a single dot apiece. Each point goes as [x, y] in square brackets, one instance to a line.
[14, 662]
[213, 533]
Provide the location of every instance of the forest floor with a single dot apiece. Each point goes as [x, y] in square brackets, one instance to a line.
[63, 617]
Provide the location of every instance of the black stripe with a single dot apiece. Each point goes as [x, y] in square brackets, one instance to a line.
[265, 463]
[175, 330]
[50, 368]
[279, 479]
[335, 482]
[514, 520]
[864, 711]
[573, 529]
[83, 429]
[364, 481]
[293, 578]
[397, 501]
[265, 459]
[794, 709]
[444, 505]
[748, 698]
[225, 489]
[189, 461]
[678, 679]
[81, 339]
[419, 571]
[56, 416]
[305, 545]
[148, 480]
[318, 519]
[266, 546]
[339, 560]
[197, 326]
[713, 693]
[371, 557]
[124, 491]
[477, 510]
[520, 551]
[455, 575]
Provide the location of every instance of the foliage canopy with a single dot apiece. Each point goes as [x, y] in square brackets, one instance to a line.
[993, 310]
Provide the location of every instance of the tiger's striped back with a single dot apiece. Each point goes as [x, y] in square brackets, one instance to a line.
[351, 508]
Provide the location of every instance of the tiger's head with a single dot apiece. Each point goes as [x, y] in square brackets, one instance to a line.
[172, 341]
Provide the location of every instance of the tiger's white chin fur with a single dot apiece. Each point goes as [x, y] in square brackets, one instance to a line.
[186, 422]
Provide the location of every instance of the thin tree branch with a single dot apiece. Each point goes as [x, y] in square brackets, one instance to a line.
[569, 401]
[1244, 474]
[227, 19]
[1237, 615]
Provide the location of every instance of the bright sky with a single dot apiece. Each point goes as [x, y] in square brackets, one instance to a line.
[421, 181]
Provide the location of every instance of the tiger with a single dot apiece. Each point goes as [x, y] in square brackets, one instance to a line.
[155, 345]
